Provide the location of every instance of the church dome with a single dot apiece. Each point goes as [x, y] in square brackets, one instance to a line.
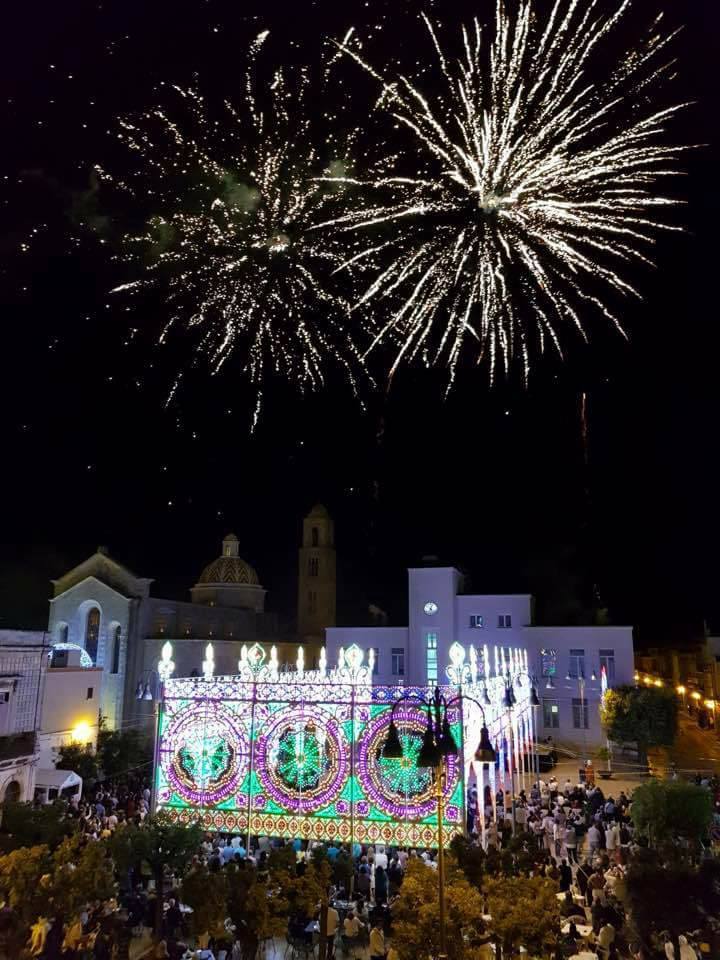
[229, 568]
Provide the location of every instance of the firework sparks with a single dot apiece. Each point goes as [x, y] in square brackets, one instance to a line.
[532, 188]
[229, 200]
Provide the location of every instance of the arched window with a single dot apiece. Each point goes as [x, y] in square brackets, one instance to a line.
[115, 650]
[12, 792]
[315, 537]
[62, 633]
[92, 633]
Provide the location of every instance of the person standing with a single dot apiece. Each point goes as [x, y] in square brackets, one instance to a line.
[331, 928]
[571, 843]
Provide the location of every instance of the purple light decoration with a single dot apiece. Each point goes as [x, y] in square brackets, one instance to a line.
[398, 806]
[331, 782]
[189, 730]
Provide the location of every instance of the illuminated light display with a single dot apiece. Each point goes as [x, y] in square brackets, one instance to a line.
[299, 754]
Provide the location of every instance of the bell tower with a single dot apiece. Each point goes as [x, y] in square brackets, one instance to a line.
[316, 576]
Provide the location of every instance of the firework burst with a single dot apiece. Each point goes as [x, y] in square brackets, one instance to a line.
[530, 187]
[229, 200]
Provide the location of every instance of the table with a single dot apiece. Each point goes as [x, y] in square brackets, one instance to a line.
[585, 955]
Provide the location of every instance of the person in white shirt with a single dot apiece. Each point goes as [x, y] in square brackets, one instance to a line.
[381, 859]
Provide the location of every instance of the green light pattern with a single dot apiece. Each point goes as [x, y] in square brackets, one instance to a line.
[206, 760]
[403, 776]
[300, 762]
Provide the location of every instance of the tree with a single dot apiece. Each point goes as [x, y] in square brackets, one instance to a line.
[207, 894]
[255, 912]
[525, 912]
[26, 826]
[159, 842]
[82, 871]
[674, 897]
[665, 812]
[81, 760]
[123, 751]
[416, 913]
[24, 884]
[646, 716]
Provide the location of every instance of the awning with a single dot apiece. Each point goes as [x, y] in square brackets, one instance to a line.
[60, 779]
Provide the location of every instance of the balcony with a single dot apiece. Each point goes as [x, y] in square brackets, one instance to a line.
[17, 745]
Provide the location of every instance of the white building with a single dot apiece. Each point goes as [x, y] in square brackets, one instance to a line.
[566, 662]
[49, 697]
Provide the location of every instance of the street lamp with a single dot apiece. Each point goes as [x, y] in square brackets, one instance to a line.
[438, 743]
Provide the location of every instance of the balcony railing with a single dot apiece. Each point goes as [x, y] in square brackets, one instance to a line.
[17, 745]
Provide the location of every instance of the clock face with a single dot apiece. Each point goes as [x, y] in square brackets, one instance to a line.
[430, 608]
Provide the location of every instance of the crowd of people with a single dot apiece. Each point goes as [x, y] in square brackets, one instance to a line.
[570, 833]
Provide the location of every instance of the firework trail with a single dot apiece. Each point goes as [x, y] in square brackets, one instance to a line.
[526, 189]
[229, 200]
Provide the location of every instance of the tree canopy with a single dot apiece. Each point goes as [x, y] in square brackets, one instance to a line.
[416, 929]
[643, 715]
[664, 812]
[525, 912]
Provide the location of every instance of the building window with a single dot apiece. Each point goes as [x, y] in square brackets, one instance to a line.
[92, 633]
[551, 714]
[431, 657]
[548, 662]
[376, 662]
[504, 621]
[607, 660]
[90, 692]
[477, 620]
[580, 714]
[313, 567]
[315, 537]
[116, 651]
[398, 662]
[5, 697]
[576, 666]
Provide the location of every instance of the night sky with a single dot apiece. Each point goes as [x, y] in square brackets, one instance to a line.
[491, 480]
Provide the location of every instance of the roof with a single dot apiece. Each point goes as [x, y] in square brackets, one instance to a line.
[102, 566]
[57, 778]
[228, 571]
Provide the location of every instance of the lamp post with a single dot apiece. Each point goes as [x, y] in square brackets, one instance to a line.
[509, 701]
[438, 743]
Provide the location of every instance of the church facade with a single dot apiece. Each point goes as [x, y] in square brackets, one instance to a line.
[108, 612]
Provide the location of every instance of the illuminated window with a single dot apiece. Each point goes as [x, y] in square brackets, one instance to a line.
[477, 620]
[92, 633]
[581, 715]
[548, 662]
[551, 714]
[576, 666]
[398, 662]
[431, 657]
[116, 651]
[607, 660]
